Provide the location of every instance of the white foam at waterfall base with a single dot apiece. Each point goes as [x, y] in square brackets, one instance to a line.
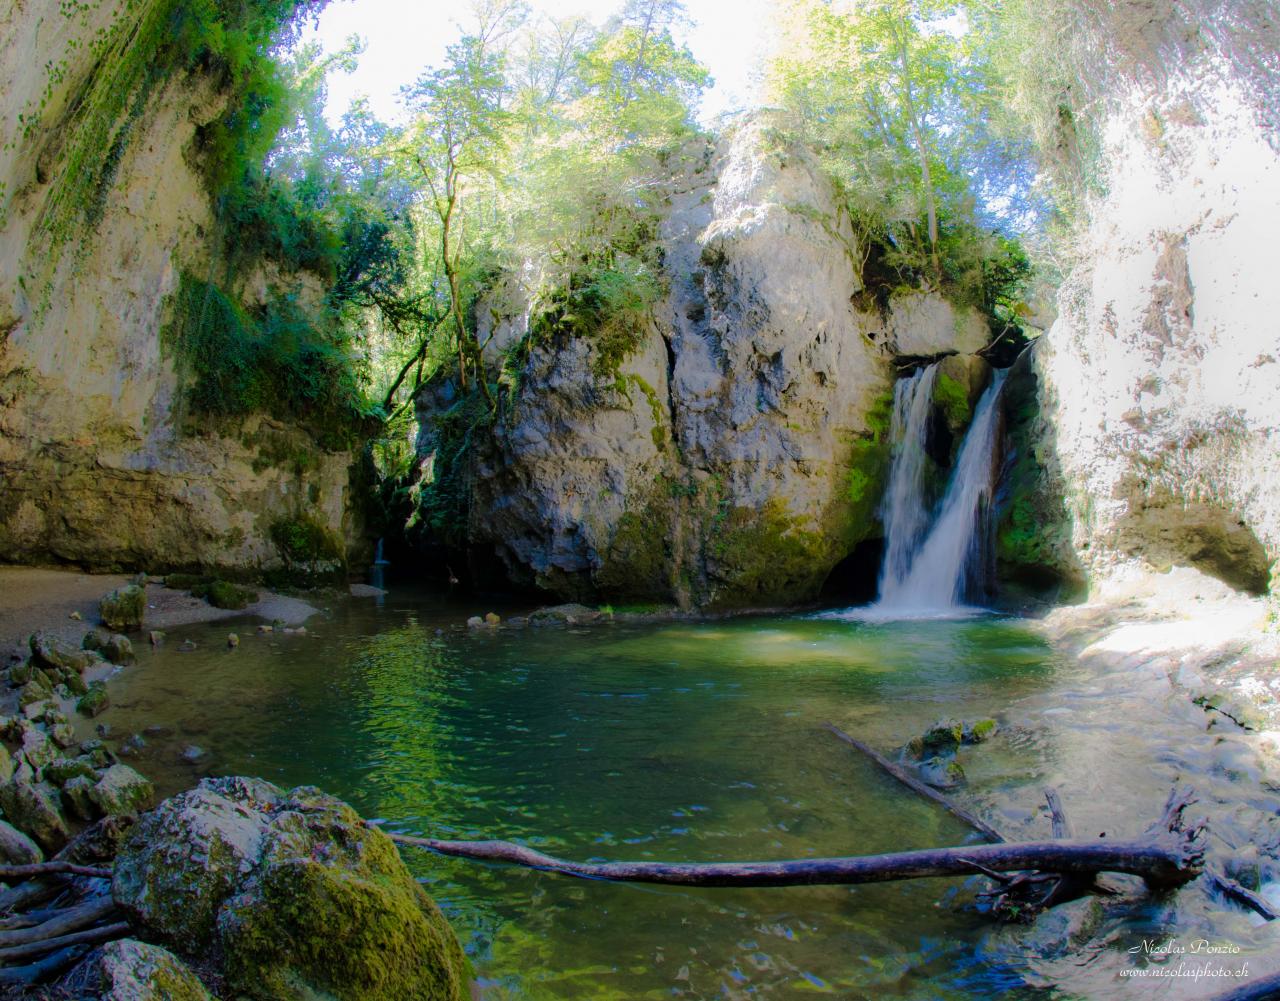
[925, 573]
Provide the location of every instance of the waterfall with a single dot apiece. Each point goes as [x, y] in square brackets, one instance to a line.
[904, 509]
[943, 567]
[934, 559]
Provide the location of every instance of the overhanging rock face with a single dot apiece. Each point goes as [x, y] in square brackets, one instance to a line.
[1159, 383]
[98, 463]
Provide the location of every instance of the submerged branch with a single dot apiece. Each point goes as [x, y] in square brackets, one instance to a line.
[915, 785]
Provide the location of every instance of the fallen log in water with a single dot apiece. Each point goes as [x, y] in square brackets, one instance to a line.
[1164, 859]
[1065, 888]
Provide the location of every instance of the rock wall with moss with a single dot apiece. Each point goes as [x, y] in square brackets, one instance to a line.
[105, 213]
[735, 450]
[1158, 385]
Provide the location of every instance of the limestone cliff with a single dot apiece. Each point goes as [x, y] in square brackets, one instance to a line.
[99, 465]
[1155, 436]
[737, 455]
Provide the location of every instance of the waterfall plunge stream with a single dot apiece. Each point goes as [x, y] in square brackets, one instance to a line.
[935, 555]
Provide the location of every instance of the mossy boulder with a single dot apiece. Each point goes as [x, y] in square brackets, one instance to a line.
[300, 897]
[76, 794]
[96, 638]
[979, 731]
[64, 769]
[129, 970]
[93, 702]
[118, 649]
[122, 790]
[53, 655]
[943, 737]
[122, 610]
[16, 848]
[32, 807]
[223, 594]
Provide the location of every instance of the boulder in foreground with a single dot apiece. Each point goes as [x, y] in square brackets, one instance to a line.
[300, 897]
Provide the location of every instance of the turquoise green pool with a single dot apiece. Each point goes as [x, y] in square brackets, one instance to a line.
[675, 742]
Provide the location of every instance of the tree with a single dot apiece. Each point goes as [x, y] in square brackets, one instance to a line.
[458, 138]
[895, 95]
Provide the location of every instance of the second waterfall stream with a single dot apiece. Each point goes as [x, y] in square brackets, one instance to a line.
[935, 555]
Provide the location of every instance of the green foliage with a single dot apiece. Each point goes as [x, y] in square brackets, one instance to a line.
[304, 540]
[442, 498]
[869, 458]
[275, 360]
[896, 106]
[611, 305]
[953, 398]
[148, 43]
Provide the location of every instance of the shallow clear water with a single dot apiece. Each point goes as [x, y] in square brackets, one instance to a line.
[680, 742]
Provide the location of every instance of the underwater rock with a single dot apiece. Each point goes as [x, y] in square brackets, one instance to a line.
[942, 773]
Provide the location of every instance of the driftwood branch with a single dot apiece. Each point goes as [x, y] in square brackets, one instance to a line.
[72, 918]
[8, 872]
[915, 785]
[1167, 859]
[1058, 817]
[1241, 895]
[91, 936]
[42, 969]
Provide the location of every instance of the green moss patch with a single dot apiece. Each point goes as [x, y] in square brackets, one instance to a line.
[762, 557]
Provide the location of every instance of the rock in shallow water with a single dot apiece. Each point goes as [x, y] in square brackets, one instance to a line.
[122, 610]
[301, 898]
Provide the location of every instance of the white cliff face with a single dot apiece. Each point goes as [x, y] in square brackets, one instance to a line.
[1160, 381]
[738, 455]
[96, 465]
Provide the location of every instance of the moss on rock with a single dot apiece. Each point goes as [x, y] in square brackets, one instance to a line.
[128, 970]
[122, 610]
[637, 562]
[300, 897]
[763, 557]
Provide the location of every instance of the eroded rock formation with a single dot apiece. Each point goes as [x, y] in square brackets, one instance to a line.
[99, 463]
[736, 456]
[1155, 426]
